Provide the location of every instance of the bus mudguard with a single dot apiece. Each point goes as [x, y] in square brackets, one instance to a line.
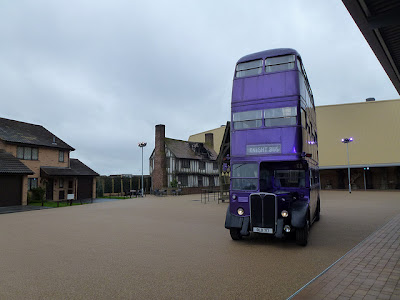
[245, 226]
[279, 229]
[299, 213]
[232, 221]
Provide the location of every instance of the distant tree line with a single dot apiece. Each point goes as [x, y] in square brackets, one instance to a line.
[121, 184]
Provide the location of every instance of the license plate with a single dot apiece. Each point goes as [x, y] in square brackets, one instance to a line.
[263, 230]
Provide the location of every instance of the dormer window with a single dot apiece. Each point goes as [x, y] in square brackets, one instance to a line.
[61, 156]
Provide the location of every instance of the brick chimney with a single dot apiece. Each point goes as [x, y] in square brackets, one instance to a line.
[160, 172]
[209, 140]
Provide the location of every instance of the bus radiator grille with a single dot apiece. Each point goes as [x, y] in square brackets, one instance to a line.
[262, 210]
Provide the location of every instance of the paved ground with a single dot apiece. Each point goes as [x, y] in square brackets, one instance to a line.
[369, 271]
[19, 208]
[23, 208]
[172, 248]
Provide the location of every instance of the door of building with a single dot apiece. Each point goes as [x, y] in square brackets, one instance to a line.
[10, 190]
[49, 189]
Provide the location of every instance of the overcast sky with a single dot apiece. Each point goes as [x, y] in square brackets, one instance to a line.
[101, 74]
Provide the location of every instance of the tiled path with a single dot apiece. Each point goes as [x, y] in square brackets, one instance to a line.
[371, 270]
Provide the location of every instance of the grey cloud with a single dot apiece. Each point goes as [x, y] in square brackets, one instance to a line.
[102, 74]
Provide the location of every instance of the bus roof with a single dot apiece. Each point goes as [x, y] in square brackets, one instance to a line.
[268, 53]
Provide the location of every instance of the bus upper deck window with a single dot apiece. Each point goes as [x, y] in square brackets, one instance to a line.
[247, 119]
[249, 68]
[281, 116]
[279, 63]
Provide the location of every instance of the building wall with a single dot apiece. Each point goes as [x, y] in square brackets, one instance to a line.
[218, 136]
[24, 190]
[159, 172]
[94, 187]
[375, 127]
[46, 157]
[175, 168]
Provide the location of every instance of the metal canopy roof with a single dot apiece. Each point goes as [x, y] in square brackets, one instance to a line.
[379, 22]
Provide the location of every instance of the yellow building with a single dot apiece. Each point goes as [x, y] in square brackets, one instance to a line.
[218, 134]
[374, 153]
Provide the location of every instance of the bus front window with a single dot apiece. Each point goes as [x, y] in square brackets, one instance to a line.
[244, 176]
[290, 178]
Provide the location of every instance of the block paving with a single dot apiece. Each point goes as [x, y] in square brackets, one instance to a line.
[371, 270]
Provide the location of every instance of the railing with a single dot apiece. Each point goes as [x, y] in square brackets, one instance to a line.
[205, 194]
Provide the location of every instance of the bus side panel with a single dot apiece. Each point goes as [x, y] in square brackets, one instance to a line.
[281, 84]
[290, 144]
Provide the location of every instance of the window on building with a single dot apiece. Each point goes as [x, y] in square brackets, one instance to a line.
[28, 153]
[202, 165]
[32, 183]
[61, 183]
[215, 166]
[249, 68]
[211, 181]
[183, 179]
[200, 181]
[186, 163]
[61, 156]
[61, 195]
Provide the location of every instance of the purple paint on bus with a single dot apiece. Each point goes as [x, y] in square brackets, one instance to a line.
[273, 140]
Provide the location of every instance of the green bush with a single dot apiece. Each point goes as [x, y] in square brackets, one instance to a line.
[37, 194]
[174, 183]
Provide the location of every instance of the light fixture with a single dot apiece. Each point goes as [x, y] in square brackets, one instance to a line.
[347, 141]
[142, 145]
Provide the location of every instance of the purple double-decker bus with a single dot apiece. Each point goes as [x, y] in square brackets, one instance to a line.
[274, 185]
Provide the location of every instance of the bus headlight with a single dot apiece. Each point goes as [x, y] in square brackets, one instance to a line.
[284, 213]
[240, 211]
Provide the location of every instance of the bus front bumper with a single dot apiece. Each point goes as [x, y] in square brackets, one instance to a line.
[233, 221]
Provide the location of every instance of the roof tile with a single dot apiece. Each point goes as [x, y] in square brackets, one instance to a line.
[12, 165]
[30, 134]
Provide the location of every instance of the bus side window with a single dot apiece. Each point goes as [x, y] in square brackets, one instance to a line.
[303, 118]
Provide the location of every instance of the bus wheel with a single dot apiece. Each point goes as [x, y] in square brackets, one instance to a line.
[302, 234]
[318, 212]
[235, 234]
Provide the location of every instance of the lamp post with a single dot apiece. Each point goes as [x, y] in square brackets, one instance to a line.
[142, 145]
[347, 141]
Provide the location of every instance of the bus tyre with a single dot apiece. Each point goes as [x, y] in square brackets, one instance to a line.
[318, 212]
[302, 234]
[235, 234]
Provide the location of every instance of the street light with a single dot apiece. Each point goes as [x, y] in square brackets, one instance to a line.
[347, 141]
[142, 145]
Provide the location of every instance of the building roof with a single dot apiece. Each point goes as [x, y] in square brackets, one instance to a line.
[218, 134]
[379, 22]
[12, 165]
[29, 134]
[190, 150]
[77, 169]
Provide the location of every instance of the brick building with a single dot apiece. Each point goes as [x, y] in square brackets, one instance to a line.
[192, 164]
[47, 164]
